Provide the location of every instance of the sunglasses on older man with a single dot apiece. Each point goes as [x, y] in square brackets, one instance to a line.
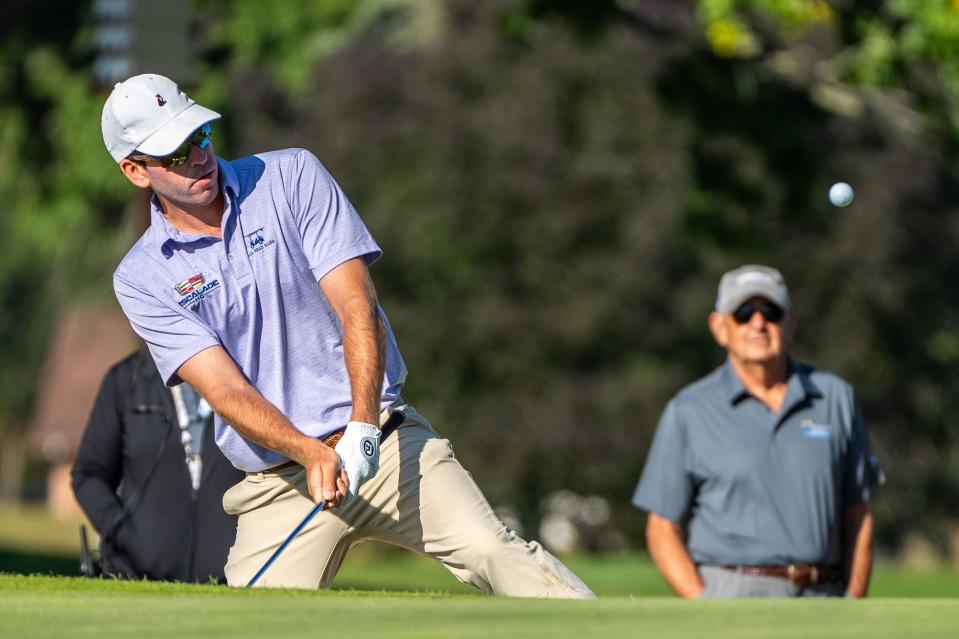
[770, 312]
[199, 138]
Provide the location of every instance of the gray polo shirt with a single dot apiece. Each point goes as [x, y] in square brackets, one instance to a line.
[759, 487]
[286, 223]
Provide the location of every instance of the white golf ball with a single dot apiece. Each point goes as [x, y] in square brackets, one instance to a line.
[840, 194]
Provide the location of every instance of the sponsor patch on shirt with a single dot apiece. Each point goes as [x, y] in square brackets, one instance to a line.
[256, 242]
[195, 288]
[812, 430]
[190, 284]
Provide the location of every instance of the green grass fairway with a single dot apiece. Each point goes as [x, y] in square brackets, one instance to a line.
[375, 595]
[74, 607]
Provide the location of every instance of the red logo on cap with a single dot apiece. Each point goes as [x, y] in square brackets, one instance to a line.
[160, 100]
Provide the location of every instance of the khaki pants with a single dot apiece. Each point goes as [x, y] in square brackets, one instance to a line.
[420, 499]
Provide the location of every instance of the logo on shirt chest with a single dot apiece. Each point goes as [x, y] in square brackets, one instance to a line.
[195, 288]
[256, 242]
[812, 430]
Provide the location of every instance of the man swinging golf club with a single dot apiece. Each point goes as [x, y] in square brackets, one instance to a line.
[251, 284]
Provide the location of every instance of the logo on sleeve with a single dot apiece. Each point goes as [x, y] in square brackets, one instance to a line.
[195, 288]
[255, 242]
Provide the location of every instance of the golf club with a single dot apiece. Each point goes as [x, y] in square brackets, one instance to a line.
[292, 535]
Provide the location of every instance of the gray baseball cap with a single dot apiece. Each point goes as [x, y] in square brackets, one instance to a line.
[751, 280]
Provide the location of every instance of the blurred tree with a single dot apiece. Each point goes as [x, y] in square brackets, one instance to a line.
[299, 34]
[23, 269]
[900, 54]
[62, 223]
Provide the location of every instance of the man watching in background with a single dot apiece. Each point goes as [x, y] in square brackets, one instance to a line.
[765, 462]
[151, 479]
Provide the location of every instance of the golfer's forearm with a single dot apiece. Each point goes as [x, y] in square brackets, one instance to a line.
[859, 525]
[257, 419]
[216, 376]
[349, 290]
[665, 542]
[364, 351]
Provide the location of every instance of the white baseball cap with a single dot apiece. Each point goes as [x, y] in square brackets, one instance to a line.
[751, 280]
[150, 114]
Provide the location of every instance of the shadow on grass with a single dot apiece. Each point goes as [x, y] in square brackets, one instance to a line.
[14, 561]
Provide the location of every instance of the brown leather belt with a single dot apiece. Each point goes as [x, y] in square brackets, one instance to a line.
[800, 574]
[394, 421]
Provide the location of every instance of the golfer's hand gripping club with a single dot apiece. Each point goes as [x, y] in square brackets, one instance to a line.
[359, 448]
[327, 480]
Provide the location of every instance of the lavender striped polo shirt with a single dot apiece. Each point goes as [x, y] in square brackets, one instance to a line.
[254, 292]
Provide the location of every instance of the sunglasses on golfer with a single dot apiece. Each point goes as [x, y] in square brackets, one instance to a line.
[200, 139]
[770, 312]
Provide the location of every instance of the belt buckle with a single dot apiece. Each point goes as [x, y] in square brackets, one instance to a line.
[803, 577]
[332, 439]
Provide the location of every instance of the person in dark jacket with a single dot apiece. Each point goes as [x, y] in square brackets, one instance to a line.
[151, 478]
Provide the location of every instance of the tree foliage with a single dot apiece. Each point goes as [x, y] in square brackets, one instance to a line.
[60, 199]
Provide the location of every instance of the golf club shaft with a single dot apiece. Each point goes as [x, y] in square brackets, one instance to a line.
[296, 531]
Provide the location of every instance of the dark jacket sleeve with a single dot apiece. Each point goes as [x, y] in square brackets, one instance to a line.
[98, 468]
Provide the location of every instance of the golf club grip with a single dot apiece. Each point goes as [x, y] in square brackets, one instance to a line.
[296, 531]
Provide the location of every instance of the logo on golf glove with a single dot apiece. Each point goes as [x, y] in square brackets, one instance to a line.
[359, 448]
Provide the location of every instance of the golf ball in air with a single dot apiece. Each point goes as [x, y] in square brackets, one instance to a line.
[840, 194]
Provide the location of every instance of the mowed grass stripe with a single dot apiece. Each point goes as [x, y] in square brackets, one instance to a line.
[60, 607]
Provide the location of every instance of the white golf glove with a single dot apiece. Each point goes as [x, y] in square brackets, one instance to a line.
[359, 448]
